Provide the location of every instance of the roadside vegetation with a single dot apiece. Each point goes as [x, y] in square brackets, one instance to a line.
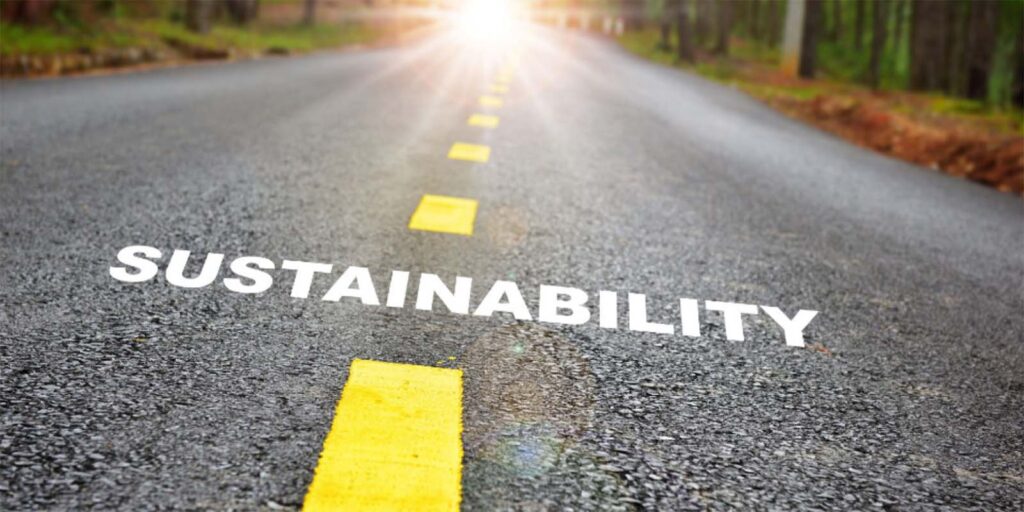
[52, 37]
[878, 73]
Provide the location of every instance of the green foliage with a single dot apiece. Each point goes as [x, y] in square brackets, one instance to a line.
[842, 73]
[645, 43]
[35, 40]
[156, 33]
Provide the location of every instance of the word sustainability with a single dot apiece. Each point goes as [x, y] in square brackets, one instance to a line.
[553, 304]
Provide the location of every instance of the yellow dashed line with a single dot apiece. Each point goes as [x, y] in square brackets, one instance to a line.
[443, 214]
[469, 152]
[491, 101]
[499, 88]
[483, 120]
[395, 443]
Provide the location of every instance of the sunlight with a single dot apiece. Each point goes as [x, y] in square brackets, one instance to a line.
[488, 20]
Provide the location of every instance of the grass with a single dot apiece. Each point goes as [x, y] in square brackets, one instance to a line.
[157, 33]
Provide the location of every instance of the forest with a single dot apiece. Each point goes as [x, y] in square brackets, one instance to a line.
[964, 48]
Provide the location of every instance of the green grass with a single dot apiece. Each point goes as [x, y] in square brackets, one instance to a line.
[15, 39]
[154, 33]
[645, 44]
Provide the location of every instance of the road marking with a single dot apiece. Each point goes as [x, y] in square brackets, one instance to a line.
[443, 214]
[469, 152]
[491, 101]
[483, 120]
[395, 443]
[499, 88]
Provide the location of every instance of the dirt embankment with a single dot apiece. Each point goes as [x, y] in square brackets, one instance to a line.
[884, 123]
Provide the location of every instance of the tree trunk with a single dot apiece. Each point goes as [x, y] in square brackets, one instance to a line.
[858, 24]
[309, 12]
[704, 24]
[685, 48]
[632, 12]
[878, 33]
[792, 40]
[837, 20]
[724, 27]
[927, 45]
[773, 21]
[665, 26]
[900, 22]
[242, 11]
[755, 19]
[957, 18]
[1017, 65]
[198, 14]
[27, 12]
[981, 47]
[809, 42]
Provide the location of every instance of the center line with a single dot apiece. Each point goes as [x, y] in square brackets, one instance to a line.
[395, 443]
[491, 101]
[483, 120]
[469, 152]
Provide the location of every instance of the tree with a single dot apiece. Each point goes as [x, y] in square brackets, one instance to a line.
[1017, 66]
[632, 12]
[772, 26]
[704, 24]
[899, 23]
[792, 41]
[957, 21]
[836, 31]
[981, 47]
[928, 45]
[754, 23]
[309, 12]
[724, 27]
[665, 25]
[858, 24]
[242, 11]
[28, 12]
[878, 33]
[809, 41]
[198, 14]
[685, 46]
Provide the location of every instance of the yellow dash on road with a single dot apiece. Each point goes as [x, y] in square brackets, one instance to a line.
[499, 88]
[395, 443]
[491, 101]
[443, 214]
[469, 152]
[483, 120]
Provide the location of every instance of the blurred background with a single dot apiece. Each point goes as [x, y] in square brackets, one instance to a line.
[936, 82]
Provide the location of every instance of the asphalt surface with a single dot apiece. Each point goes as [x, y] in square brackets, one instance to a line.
[607, 172]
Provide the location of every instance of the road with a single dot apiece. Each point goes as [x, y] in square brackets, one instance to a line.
[605, 173]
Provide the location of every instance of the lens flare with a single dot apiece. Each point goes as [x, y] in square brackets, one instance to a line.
[488, 20]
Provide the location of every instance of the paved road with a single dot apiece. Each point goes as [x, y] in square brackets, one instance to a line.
[606, 173]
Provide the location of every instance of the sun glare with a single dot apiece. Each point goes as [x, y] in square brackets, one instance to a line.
[488, 19]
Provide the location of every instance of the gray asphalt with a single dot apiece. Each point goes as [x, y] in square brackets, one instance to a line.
[607, 172]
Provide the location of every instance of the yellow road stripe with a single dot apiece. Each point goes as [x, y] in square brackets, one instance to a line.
[395, 443]
[491, 101]
[483, 120]
[499, 88]
[469, 152]
[443, 214]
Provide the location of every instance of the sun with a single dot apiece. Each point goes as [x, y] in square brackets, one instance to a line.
[488, 19]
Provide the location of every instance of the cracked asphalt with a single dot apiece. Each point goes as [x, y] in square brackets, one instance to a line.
[606, 173]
